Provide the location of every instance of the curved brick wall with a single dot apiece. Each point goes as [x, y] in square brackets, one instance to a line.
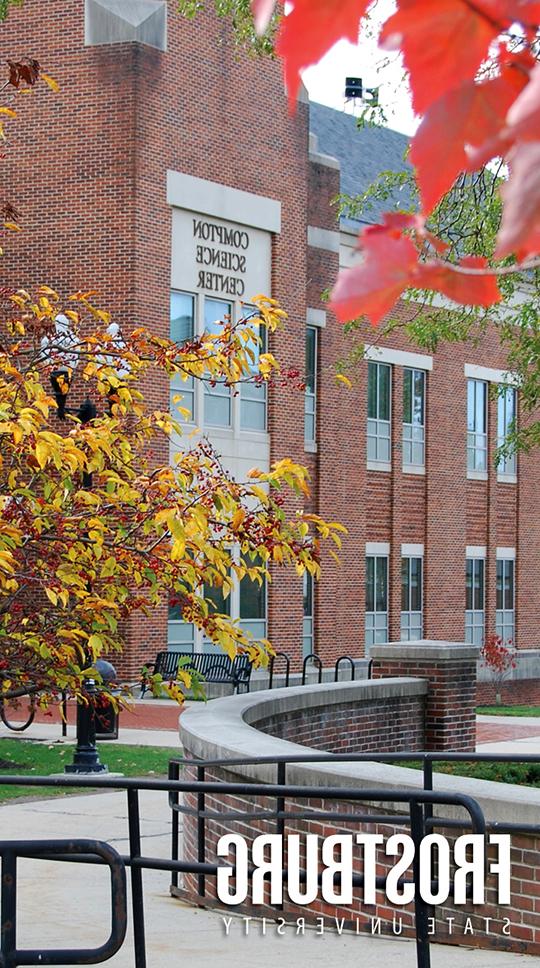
[231, 727]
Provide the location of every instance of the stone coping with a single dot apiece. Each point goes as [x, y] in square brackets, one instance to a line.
[225, 729]
[425, 649]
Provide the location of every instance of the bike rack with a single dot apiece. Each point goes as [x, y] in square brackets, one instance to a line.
[344, 658]
[312, 657]
[286, 659]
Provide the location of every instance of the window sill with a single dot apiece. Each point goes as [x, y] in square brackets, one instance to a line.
[379, 465]
[477, 475]
[414, 469]
[310, 446]
[506, 478]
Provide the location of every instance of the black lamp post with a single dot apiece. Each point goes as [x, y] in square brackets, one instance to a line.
[86, 757]
[63, 348]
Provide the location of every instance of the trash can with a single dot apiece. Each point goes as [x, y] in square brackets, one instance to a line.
[106, 716]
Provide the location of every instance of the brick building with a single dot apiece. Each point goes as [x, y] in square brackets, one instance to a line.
[168, 175]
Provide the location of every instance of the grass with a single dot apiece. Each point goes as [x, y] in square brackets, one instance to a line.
[25, 758]
[524, 774]
[508, 710]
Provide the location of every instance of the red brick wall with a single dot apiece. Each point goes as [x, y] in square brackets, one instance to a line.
[87, 170]
[450, 708]
[524, 912]
[524, 692]
[381, 724]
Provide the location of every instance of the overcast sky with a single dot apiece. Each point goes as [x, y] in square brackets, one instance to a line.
[326, 81]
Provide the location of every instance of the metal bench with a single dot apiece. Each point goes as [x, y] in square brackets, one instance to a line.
[211, 666]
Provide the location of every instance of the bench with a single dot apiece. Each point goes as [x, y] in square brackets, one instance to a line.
[212, 666]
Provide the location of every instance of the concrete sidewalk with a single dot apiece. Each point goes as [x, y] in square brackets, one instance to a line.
[67, 905]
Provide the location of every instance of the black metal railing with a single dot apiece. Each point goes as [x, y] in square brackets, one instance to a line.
[417, 816]
[92, 852]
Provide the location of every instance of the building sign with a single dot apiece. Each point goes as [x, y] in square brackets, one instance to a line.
[218, 257]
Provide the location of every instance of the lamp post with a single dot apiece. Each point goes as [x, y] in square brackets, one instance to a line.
[86, 757]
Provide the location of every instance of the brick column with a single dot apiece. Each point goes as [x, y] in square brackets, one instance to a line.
[450, 668]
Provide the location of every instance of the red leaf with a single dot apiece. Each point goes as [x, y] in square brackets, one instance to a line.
[310, 30]
[374, 286]
[470, 115]
[469, 290]
[524, 115]
[520, 227]
[262, 13]
[443, 43]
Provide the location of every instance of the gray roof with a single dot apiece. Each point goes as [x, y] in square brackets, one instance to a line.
[363, 153]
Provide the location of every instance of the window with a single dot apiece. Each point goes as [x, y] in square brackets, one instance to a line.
[376, 598]
[414, 391]
[310, 398]
[217, 398]
[378, 424]
[182, 328]
[505, 615]
[181, 635]
[252, 607]
[506, 415]
[474, 601]
[411, 599]
[308, 638]
[253, 395]
[476, 425]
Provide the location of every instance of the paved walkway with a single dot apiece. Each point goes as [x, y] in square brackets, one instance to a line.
[67, 905]
[155, 723]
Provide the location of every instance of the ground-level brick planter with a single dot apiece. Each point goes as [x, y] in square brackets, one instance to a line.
[231, 727]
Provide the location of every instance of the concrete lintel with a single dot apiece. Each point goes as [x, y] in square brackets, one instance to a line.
[425, 649]
[221, 201]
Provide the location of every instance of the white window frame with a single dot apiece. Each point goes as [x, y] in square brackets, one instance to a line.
[507, 466]
[477, 440]
[505, 618]
[308, 621]
[475, 618]
[379, 430]
[181, 634]
[414, 433]
[412, 621]
[376, 621]
[200, 388]
[310, 396]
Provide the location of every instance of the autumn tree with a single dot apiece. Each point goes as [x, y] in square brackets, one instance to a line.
[91, 529]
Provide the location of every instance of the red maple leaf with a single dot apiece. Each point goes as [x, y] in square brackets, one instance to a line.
[310, 30]
[373, 286]
[520, 226]
[467, 117]
[476, 290]
[443, 43]
[262, 13]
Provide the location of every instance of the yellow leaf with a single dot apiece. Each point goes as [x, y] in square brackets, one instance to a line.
[42, 453]
[50, 81]
[345, 380]
[12, 226]
[51, 596]
[8, 112]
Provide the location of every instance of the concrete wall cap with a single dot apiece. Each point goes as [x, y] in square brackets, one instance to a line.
[426, 649]
[219, 731]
